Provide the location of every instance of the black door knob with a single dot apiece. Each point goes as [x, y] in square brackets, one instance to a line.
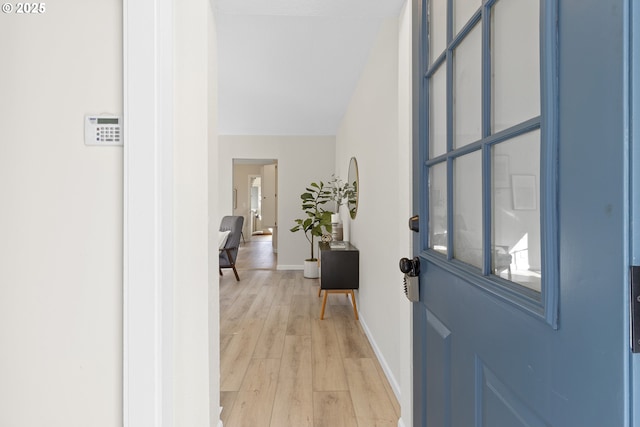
[410, 267]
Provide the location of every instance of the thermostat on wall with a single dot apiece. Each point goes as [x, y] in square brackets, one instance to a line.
[103, 130]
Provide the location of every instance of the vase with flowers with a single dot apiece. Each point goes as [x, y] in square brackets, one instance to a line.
[340, 192]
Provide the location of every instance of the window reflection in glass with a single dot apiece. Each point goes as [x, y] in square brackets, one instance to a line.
[438, 207]
[438, 113]
[463, 10]
[467, 89]
[515, 62]
[437, 28]
[515, 183]
[467, 209]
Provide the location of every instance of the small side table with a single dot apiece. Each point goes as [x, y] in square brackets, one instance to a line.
[339, 272]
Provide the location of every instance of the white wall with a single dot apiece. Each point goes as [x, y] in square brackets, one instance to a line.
[377, 131]
[405, 205]
[192, 381]
[61, 218]
[301, 160]
[212, 189]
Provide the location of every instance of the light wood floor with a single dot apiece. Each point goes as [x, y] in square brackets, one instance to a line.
[281, 366]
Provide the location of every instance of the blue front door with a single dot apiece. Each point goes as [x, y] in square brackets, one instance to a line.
[522, 187]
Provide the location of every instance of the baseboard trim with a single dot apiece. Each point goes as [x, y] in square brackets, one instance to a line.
[289, 267]
[385, 366]
[401, 422]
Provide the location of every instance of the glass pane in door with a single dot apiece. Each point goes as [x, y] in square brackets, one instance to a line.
[438, 113]
[438, 207]
[515, 183]
[467, 89]
[515, 62]
[437, 28]
[467, 208]
[463, 10]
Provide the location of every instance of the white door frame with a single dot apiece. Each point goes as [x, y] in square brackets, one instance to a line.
[148, 28]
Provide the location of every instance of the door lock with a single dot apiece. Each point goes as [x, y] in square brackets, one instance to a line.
[414, 223]
[411, 270]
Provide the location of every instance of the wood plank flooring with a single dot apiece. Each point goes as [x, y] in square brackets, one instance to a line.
[281, 366]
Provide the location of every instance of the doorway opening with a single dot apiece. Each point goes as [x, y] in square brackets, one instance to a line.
[255, 197]
[255, 206]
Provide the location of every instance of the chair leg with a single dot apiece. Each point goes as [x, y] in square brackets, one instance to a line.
[220, 270]
[233, 263]
[319, 291]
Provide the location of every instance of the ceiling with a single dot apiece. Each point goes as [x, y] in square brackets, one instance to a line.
[289, 67]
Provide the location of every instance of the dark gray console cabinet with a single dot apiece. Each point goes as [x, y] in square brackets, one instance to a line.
[339, 272]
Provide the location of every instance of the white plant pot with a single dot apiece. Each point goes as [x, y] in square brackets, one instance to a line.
[311, 269]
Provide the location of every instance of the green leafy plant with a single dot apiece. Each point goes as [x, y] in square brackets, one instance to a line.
[340, 192]
[317, 219]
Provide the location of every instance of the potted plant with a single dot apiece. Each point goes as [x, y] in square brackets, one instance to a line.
[317, 219]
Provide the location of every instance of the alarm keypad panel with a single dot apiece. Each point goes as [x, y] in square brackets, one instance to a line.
[103, 130]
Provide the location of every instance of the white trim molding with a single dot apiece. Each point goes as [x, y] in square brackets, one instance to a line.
[148, 263]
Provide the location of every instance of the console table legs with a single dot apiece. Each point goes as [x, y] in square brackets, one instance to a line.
[347, 292]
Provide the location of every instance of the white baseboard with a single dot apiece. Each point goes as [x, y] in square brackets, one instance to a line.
[401, 422]
[385, 366]
[289, 267]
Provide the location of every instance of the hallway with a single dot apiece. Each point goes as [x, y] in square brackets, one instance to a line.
[282, 366]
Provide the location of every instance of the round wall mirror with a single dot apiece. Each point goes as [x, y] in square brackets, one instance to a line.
[353, 188]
